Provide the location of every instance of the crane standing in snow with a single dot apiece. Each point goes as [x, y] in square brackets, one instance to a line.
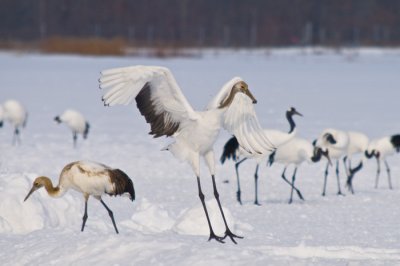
[296, 151]
[76, 122]
[338, 144]
[90, 179]
[233, 151]
[15, 113]
[380, 149]
[162, 103]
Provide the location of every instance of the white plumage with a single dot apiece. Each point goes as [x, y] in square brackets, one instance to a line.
[90, 179]
[76, 122]
[342, 144]
[165, 108]
[380, 149]
[235, 152]
[337, 142]
[15, 113]
[295, 152]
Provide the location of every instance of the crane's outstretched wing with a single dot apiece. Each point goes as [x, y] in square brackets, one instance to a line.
[157, 95]
[241, 120]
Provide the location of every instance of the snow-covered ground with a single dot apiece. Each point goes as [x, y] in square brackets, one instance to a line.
[165, 225]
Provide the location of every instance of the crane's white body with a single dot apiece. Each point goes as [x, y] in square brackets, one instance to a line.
[74, 120]
[358, 143]
[383, 146]
[197, 131]
[15, 113]
[86, 177]
[295, 151]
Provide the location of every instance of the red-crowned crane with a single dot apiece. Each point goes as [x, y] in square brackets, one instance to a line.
[380, 149]
[161, 101]
[339, 145]
[233, 151]
[296, 151]
[76, 122]
[90, 179]
[15, 113]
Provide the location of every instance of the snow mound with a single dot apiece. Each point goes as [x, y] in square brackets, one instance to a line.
[193, 221]
[150, 218]
[38, 212]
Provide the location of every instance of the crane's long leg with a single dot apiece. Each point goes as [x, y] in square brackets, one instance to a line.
[111, 215]
[212, 234]
[228, 232]
[378, 171]
[338, 178]
[325, 179]
[238, 192]
[388, 173]
[293, 180]
[85, 216]
[16, 137]
[291, 184]
[256, 186]
[75, 137]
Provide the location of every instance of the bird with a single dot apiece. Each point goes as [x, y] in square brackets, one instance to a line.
[380, 149]
[232, 150]
[358, 143]
[162, 103]
[91, 179]
[76, 122]
[338, 144]
[296, 151]
[15, 113]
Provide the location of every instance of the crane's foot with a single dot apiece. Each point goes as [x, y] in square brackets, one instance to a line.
[217, 238]
[238, 198]
[231, 235]
[301, 196]
[340, 193]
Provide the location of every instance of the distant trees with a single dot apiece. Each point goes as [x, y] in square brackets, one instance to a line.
[224, 23]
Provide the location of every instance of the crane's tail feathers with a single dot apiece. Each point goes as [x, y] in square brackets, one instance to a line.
[230, 150]
[271, 158]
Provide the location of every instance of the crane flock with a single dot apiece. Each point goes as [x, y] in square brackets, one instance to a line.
[163, 105]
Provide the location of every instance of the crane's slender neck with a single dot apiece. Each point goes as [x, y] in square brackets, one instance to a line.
[289, 117]
[317, 156]
[51, 190]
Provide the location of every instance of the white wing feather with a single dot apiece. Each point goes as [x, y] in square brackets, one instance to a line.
[125, 83]
[240, 119]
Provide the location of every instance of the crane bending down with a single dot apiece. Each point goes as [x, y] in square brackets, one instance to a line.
[162, 103]
[91, 179]
[233, 151]
[76, 122]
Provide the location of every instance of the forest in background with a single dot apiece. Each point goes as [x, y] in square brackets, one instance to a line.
[98, 24]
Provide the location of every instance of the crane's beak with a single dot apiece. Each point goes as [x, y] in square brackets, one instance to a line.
[297, 113]
[326, 154]
[248, 93]
[33, 189]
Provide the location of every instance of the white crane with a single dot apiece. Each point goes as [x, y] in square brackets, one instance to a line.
[90, 179]
[15, 113]
[162, 103]
[233, 151]
[380, 149]
[76, 122]
[296, 151]
[338, 144]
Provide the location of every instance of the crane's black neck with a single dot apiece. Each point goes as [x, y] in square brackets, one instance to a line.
[289, 117]
[395, 140]
[317, 155]
[369, 155]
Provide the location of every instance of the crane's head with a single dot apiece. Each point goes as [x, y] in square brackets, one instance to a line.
[238, 87]
[37, 183]
[292, 111]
